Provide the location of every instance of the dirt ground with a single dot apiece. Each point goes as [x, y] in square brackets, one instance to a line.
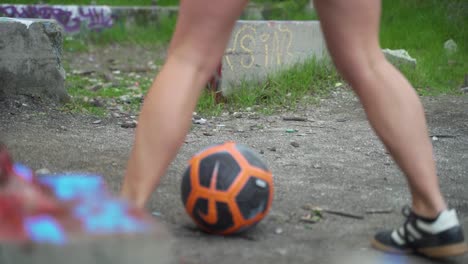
[338, 164]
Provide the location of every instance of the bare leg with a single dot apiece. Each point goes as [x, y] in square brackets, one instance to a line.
[393, 108]
[202, 32]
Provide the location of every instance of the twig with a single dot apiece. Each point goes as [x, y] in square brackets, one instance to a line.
[345, 214]
[444, 136]
[295, 118]
[379, 211]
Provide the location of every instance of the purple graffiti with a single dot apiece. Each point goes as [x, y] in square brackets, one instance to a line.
[97, 18]
[72, 18]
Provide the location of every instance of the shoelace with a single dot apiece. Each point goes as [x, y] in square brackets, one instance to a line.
[410, 220]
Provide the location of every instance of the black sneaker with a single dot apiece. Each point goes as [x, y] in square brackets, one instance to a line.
[436, 238]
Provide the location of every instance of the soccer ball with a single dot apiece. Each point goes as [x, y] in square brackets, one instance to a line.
[227, 189]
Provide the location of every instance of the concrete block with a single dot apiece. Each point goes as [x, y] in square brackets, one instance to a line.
[259, 48]
[30, 58]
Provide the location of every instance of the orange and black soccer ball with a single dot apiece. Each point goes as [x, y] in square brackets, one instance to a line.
[227, 189]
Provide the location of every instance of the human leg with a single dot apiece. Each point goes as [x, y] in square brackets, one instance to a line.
[202, 32]
[392, 106]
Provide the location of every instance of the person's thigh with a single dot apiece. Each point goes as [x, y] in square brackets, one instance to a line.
[203, 30]
[351, 29]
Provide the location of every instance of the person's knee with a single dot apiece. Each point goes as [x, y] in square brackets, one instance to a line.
[359, 66]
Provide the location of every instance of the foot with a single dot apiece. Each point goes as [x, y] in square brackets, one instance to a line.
[436, 238]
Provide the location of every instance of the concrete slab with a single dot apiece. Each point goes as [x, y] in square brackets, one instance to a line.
[259, 48]
[30, 58]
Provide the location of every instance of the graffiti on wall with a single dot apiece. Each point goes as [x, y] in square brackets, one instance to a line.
[72, 18]
[266, 48]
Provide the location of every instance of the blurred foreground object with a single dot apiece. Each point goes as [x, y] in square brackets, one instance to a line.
[72, 218]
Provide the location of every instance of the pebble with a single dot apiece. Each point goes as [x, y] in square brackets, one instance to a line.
[295, 144]
[200, 121]
[272, 149]
[97, 122]
[95, 87]
[124, 98]
[43, 171]
[237, 115]
[278, 231]
[129, 124]
[282, 251]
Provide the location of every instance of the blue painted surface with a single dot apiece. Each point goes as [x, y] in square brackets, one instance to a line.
[72, 186]
[107, 217]
[23, 171]
[44, 229]
[97, 210]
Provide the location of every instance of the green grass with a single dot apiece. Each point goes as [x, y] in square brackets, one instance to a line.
[422, 27]
[78, 89]
[98, 2]
[419, 26]
[153, 33]
[301, 84]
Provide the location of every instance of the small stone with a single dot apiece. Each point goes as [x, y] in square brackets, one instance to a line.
[115, 115]
[96, 102]
[114, 164]
[208, 134]
[43, 171]
[248, 109]
[129, 124]
[272, 149]
[282, 251]
[340, 120]
[434, 138]
[290, 130]
[97, 122]
[295, 144]
[316, 166]
[237, 115]
[278, 231]
[464, 90]
[200, 121]
[450, 46]
[95, 87]
[124, 99]
[262, 152]
[156, 213]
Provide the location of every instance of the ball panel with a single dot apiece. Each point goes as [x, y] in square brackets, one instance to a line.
[224, 216]
[253, 198]
[186, 186]
[227, 170]
[251, 157]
